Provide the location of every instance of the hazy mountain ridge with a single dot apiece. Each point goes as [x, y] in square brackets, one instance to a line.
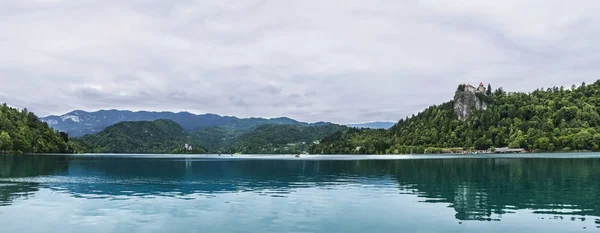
[79, 123]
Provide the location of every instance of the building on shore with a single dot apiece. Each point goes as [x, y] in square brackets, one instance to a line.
[506, 150]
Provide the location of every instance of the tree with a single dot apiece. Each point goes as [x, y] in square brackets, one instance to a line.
[24, 132]
[543, 144]
[64, 136]
[489, 90]
[583, 140]
[483, 143]
[5, 142]
[499, 91]
[545, 120]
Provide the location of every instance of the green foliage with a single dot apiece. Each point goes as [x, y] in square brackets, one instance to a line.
[182, 150]
[166, 136]
[354, 141]
[215, 138]
[279, 139]
[159, 136]
[22, 132]
[5, 142]
[554, 119]
[432, 150]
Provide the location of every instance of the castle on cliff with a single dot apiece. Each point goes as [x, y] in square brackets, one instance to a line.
[467, 100]
[480, 89]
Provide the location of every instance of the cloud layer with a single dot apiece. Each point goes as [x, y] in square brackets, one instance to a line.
[337, 60]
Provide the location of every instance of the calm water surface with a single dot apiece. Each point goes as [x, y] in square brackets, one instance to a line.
[43, 193]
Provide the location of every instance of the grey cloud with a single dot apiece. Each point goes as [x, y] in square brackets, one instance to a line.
[271, 89]
[337, 60]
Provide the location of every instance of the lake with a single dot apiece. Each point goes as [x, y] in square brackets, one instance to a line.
[88, 193]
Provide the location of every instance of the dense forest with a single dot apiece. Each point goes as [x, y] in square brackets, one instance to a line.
[166, 136]
[21, 131]
[148, 137]
[280, 139]
[545, 120]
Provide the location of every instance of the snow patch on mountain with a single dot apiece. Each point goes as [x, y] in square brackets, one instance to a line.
[70, 117]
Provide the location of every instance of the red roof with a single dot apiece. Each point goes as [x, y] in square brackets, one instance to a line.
[481, 84]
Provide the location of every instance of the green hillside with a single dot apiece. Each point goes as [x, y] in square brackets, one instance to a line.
[166, 136]
[22, 132]
[280, 139]
[215, 138]
[159, 136]
[553, 119]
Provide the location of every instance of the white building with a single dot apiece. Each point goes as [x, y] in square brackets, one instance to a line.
[470, 88]
[509, 150]
[480, 89]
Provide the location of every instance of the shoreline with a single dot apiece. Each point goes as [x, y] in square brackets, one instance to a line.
[570, 155]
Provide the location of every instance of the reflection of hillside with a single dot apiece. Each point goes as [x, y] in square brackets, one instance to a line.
[477, 189]
[183, 177]
[21, 166]
[485, 189]
[10, 193]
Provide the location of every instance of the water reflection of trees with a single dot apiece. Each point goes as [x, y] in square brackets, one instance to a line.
[20, 166]
[477, 189]
[485, 189]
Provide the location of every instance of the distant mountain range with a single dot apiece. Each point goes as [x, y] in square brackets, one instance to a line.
[373, 125]
[79, 123]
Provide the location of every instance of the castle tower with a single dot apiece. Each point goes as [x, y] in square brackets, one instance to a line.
[481, 88]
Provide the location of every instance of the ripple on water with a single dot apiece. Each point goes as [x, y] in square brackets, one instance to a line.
[307, 196]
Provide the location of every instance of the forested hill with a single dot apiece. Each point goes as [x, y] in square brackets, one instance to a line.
[280, 139]
[79, 123]
[22, 132]
[166, 136]
[147, 137]
[554, 119]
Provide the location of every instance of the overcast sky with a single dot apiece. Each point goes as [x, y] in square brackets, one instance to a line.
[342, 61]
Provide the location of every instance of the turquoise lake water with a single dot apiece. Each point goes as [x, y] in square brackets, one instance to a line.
[88, 193]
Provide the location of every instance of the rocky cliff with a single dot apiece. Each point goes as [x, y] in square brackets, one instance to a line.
[465, 102]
